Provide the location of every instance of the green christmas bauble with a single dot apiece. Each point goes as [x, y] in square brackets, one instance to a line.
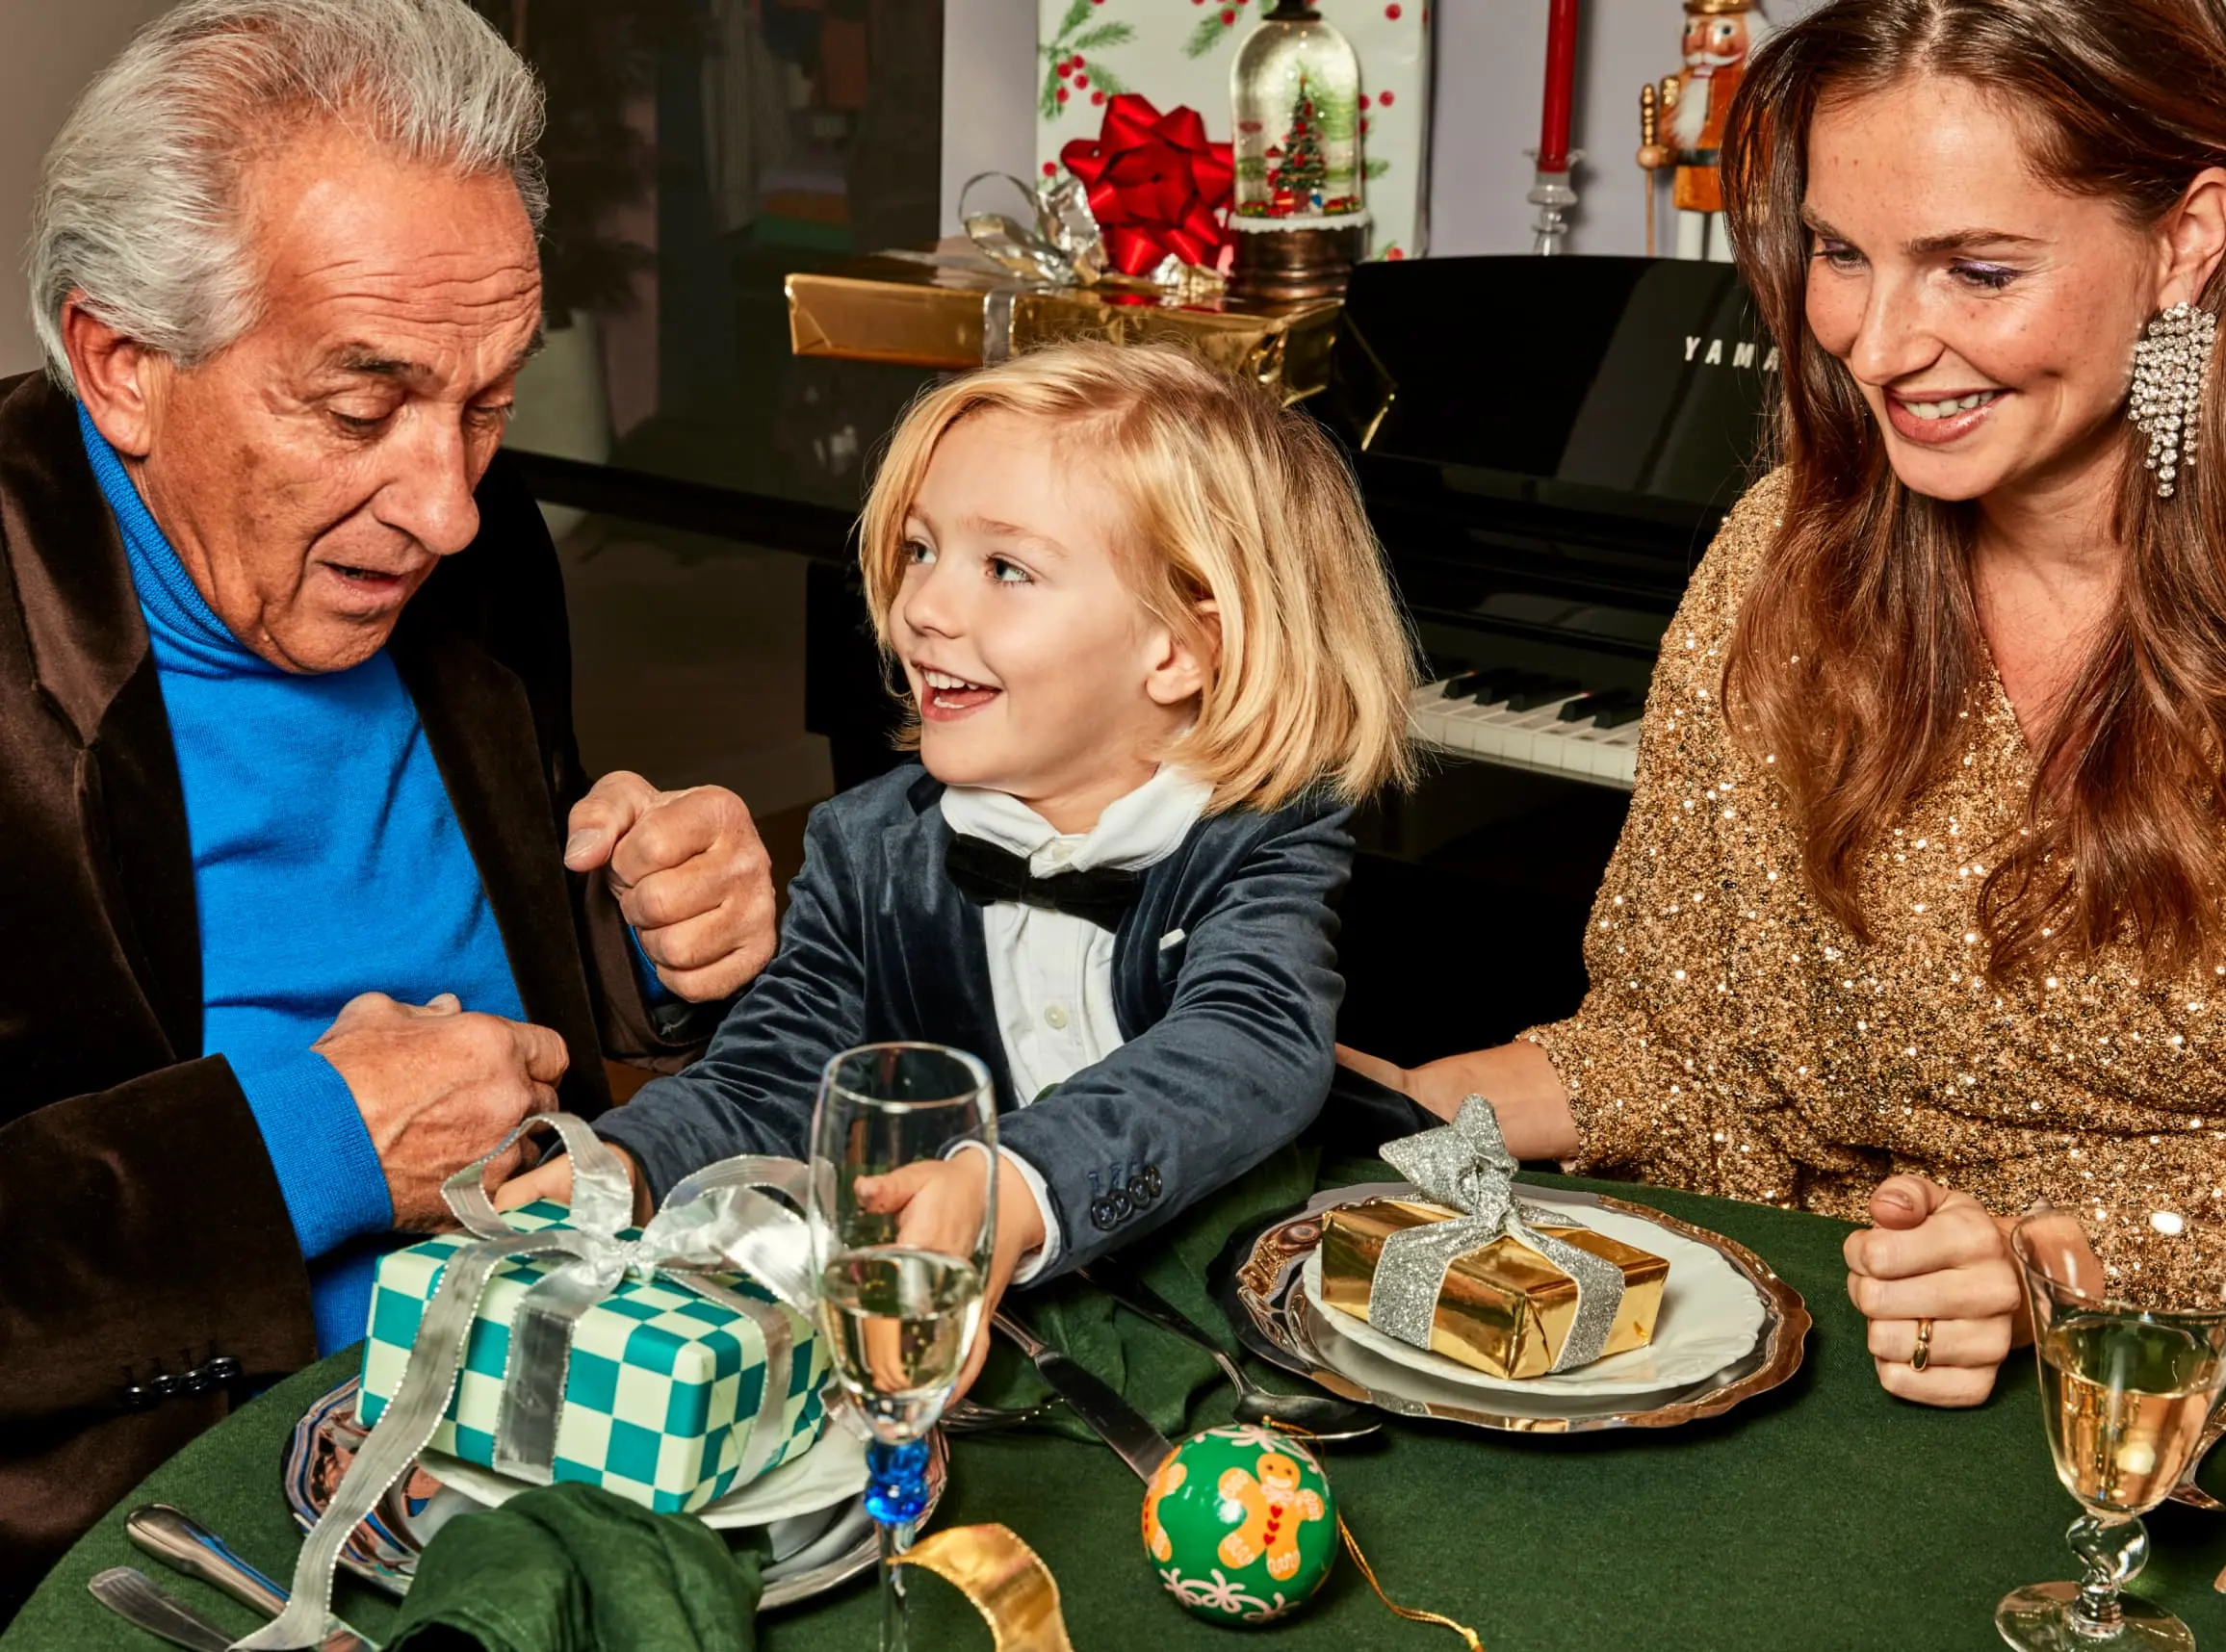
[1240, 1525]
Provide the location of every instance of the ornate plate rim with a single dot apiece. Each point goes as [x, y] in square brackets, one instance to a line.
[1260, 1278]
[860, 1557]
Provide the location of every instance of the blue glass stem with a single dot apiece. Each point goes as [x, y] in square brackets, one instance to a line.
[896, 1496]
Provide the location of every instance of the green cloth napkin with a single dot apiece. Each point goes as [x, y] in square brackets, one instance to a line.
[573, 1568]
[1161, 1375]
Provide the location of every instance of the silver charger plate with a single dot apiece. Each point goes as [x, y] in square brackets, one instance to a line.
[1260, 1290]
[812, 1553]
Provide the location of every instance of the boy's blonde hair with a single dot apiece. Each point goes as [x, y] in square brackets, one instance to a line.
[1231, 497]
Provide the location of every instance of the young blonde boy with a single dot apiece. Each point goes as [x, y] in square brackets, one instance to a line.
[1152, 661]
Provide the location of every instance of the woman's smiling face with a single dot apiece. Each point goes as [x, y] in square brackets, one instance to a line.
[1988, 317]
[1037, 671]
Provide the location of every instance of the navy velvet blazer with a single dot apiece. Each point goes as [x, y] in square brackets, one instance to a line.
[1230, 1029]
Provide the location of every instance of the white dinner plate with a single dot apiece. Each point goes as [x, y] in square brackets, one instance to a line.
[1710, 1316]
[833, 1471]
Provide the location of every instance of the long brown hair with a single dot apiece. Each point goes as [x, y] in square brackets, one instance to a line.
[1859, 643]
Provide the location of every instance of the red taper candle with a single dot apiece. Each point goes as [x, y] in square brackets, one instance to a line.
[1561, 85]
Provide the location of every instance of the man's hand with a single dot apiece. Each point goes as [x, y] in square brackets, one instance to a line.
[1937, 1255]
[689, 875]
[940, 1207]
[437, 1089]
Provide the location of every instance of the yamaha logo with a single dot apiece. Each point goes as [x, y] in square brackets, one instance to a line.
[1743, 354]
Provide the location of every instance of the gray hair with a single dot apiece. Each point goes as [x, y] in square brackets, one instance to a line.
[138, 200]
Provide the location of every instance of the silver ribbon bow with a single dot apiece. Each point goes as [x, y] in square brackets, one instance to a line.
[1466, 1165]
[1057, 244]
[718, 1220]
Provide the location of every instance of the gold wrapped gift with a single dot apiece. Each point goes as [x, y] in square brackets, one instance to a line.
[1504, 1309]
[952, 308]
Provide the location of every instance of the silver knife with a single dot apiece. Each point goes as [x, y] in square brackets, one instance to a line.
[136, 1598]
[183, 1543]
[1110, 1417]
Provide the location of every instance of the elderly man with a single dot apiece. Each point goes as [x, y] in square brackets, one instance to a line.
[285, 719]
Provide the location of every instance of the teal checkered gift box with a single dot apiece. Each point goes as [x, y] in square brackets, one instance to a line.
[664, 1390]
[667, 1365]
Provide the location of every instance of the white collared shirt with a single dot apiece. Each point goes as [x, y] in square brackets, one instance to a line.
[1051, 973]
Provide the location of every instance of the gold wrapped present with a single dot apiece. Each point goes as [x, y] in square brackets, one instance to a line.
[952, 308]
[1504, 1308]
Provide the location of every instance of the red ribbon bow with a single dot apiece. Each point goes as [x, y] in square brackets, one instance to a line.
[1156, 184]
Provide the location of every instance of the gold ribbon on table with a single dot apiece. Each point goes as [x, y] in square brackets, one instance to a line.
[1006, 1580]
[719, 1218]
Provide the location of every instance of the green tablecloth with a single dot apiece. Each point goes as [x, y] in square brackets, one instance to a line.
[1824, 1515]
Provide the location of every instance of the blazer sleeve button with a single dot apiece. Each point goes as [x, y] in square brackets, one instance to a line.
[137, 1397]
[1140, 1192]
[1102, 1214]
[1151, 1180]
[223, 1368]
[1123, 1207]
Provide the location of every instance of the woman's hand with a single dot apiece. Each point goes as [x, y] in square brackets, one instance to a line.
[1938, 1256]
[937, 1204]
[1516, 1079]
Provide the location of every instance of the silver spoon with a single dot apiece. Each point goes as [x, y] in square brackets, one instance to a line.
[1317, 1414]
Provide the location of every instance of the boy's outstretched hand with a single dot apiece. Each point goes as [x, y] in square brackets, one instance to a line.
[937, 1204]
[554, 1181]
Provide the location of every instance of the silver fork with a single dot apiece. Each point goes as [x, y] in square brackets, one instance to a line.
[967, 1417]
[137, 1598]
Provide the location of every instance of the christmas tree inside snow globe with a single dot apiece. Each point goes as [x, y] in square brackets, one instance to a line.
[1299, 217]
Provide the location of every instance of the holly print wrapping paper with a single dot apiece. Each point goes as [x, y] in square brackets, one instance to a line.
[1177, 53]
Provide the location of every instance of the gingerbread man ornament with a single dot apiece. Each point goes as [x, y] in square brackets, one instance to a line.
[1274, 1506]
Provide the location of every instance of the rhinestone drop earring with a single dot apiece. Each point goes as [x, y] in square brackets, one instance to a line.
[2170, 366]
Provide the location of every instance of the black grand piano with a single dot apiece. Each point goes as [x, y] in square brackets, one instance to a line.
[1561, 439]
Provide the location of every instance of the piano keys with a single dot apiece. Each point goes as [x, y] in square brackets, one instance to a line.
[1529, 719]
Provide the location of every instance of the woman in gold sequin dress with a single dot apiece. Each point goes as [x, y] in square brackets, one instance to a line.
[1918, 913]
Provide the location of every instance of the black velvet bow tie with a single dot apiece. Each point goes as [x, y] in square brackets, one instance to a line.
[985, 874]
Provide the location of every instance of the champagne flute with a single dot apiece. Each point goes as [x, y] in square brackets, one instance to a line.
[900, 1315]
[2125, 1390]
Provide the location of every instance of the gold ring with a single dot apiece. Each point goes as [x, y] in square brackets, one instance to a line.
[1923, 1354]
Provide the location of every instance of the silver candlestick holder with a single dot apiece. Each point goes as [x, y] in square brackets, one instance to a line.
[1555, 197]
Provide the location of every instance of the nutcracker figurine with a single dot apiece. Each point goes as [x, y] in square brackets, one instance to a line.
[1719, 35]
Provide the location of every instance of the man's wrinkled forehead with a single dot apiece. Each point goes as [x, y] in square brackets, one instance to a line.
[372, 265]
[361, 358]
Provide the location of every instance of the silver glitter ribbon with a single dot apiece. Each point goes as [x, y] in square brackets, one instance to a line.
[718, 1220]
[1466, 1165]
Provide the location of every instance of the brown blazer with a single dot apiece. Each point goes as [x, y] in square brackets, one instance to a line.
[149, 1279]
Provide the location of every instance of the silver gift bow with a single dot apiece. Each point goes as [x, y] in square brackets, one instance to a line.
[1058, 243]
[1466, 1165]
[715, 1220]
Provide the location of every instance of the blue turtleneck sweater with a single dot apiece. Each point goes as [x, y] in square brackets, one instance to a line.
[327, 862]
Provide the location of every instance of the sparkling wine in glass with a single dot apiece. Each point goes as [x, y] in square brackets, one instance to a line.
[900, 1293]
[2125, 1390]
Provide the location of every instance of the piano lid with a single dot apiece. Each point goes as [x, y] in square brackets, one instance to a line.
[1624, 387]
